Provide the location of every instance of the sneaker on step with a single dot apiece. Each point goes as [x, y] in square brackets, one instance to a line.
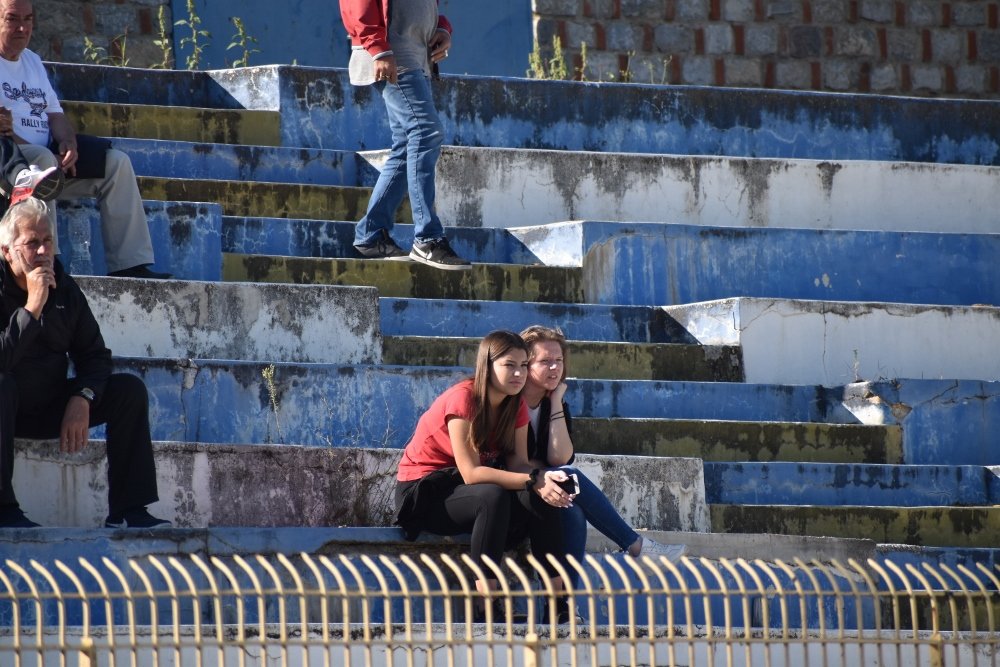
[382, 248]
[137, 518]
[13, 517]
[44, 184]
[438, 253]
[671, 552]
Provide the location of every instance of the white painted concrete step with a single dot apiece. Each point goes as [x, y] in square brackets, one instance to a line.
[832, 343]
[203, 485]
[499, 187]
[245, 321]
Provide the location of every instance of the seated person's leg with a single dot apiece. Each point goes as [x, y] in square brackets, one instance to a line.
[124, 407]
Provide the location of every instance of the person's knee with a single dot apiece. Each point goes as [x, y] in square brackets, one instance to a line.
[127, 389]
[8, 386]
[117, 162]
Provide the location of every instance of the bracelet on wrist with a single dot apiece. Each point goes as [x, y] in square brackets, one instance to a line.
[532, 480]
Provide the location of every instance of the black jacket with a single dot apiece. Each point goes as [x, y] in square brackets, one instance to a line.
[38, 352]
[538, 443]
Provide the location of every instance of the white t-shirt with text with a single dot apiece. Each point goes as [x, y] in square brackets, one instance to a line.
[26, 91]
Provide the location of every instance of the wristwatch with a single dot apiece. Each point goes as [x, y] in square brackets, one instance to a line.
[87, 393]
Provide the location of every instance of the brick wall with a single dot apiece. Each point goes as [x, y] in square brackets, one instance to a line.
[904, 47]
[62, 25]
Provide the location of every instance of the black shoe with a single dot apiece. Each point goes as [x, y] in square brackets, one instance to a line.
[438, 253]
[140, 271]
[13, 517]
[562, 611]
[499, 614]
[382, 248]
[137, 518]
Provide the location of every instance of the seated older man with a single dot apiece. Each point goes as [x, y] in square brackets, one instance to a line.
[47, 324]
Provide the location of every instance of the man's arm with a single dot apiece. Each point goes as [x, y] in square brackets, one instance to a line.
[366, 22]
[64, 135]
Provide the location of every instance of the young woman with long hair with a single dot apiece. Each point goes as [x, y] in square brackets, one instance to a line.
[550, 446]
[466, 468]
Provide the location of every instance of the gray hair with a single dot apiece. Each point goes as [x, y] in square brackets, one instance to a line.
[29, 209]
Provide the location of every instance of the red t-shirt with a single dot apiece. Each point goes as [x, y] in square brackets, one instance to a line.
[430, 448]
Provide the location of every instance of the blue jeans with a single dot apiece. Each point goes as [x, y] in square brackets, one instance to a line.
[417, 135]
[593, 507]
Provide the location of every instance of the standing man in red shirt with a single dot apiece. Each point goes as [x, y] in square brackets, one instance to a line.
[394, 47]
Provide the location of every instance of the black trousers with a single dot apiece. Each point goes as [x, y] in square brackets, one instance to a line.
[124, 407]
[497, 519]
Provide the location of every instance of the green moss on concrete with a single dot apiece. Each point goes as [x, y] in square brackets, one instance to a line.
[923, 526]
[217, 126]
[270, 200]
[741, 441]
[596, 360]
[488, 282]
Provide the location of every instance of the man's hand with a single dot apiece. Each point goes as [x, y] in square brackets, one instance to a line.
[40, 279]
[68, 156]
[556, 396]
[440, 43]
[63, 132]
[75, 425]
[6, 123]
[385, 70]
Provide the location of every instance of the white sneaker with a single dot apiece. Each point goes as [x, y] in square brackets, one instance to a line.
[671, 552]
[45, 184]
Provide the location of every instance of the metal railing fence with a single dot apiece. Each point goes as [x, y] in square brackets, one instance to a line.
[421, 610]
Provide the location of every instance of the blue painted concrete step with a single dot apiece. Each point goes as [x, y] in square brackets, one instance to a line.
[467, 318]
[778, 483]
[525, 113]
[182, 159]
[186, 238]
[218, 401]
[330, 238]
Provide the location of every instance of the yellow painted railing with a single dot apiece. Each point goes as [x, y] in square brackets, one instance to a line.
[377, 610]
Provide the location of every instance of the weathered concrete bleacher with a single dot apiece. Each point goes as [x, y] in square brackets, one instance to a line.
[775, 289]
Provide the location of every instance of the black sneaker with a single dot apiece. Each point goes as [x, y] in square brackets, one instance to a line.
[137, 518]
[13, 517]
[438, 253]
[382, 248]
[140, 271]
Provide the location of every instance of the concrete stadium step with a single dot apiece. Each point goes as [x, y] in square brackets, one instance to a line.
[244, 321]
[496, 187]
[924, 526]
[203, 485]
[836, 343]
[285, 200]
[275, 164]
[522, 113]
[198, 400]
[662, 264]
[619, 361]
[591, 322]
[186, 238]
[741, 441]
[177, 123]
[330, 238]
[850, 484]
[493, 282]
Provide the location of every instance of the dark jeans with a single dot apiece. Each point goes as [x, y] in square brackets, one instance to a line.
[124, 407]
[497, 519]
